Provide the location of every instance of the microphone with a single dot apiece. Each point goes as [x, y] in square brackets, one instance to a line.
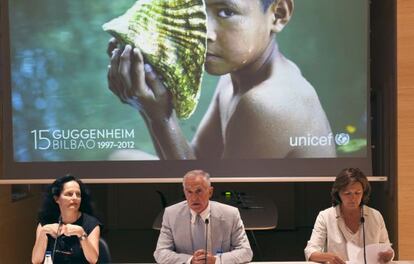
[206, 222]
[363, 232]
[57, 236]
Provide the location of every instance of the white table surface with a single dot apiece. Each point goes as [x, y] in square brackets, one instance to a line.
[310, 262]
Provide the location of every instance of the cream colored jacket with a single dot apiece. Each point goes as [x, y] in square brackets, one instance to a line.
[328, 234]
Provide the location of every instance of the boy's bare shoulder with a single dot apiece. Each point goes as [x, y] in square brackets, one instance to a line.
[284, 106]
[285, 96]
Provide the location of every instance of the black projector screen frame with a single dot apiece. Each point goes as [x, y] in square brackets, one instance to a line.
[59, 117]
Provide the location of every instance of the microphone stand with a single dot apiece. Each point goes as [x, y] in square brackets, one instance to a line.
[57, 236]
[206, 222]
[363, 233]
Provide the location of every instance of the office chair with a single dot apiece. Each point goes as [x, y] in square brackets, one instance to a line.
[162, 199]
[104, 253]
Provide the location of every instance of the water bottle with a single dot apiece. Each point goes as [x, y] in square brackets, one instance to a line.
[48, 258]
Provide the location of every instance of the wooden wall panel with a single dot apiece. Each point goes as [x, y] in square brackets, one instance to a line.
[17, 226]
[405, 128]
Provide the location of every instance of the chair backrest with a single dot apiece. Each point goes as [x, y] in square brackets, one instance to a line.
[104, 253]
[162, 199]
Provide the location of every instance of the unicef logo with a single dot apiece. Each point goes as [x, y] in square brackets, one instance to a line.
[342, 139]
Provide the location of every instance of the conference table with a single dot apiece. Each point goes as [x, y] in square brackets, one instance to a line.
[310, 262]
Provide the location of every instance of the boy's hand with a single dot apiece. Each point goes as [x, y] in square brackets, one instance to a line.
[136, 83]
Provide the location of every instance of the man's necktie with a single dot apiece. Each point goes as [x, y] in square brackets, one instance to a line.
[199, 231]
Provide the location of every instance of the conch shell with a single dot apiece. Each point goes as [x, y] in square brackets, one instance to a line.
[172, 36]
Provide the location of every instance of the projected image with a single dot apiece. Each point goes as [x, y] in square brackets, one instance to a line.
[257, 82]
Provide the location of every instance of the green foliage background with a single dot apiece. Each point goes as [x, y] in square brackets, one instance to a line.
[59, 63]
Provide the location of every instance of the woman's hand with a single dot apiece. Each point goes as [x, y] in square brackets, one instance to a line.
[385, 256]
[51, 229]
[136, 83]
[71, 230]
[331, 258]
[328, 258]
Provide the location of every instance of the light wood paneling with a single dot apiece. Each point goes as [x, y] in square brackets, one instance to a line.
[405, 110]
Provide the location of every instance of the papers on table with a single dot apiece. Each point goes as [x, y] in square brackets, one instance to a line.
[356, 254]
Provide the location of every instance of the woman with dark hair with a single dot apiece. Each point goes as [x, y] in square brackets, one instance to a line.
[347, 221]
[67, 226]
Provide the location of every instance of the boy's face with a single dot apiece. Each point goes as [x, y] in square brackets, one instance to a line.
[238, 32]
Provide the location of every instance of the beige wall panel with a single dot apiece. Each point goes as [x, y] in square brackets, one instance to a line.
[405, 59]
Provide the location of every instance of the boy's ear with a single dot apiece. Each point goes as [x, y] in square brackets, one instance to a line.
[282, 12]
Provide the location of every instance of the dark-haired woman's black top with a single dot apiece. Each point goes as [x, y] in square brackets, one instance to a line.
[68, 249]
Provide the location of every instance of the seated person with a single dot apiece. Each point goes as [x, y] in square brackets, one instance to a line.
[343, 222]
[67, 227]
[182, 237]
